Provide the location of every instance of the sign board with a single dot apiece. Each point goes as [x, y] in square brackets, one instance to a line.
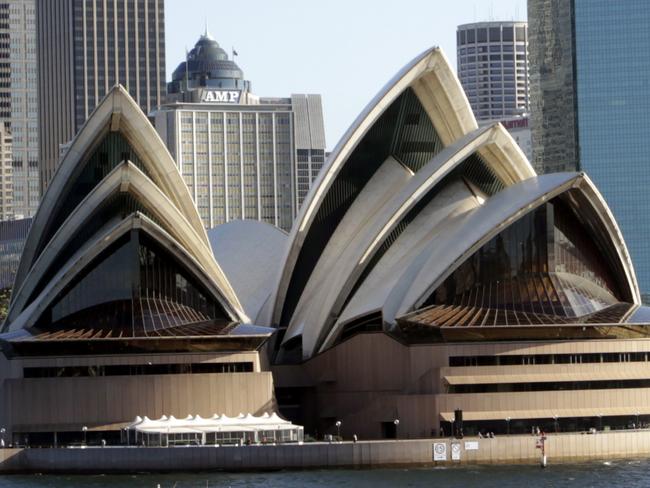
[471, 445]
[517, 123]
[220, 96]
[455, 451]
[439, 451]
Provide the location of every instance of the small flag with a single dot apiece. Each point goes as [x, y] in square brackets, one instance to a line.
[234, 53]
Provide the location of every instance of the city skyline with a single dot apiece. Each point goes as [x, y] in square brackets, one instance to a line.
[295, 59]
[201, 272]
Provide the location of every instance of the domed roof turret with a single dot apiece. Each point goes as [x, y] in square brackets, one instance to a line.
[207, 65]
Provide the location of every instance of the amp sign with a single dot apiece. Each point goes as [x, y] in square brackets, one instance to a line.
[220, 96]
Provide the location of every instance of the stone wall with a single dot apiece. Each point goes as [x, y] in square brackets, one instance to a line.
[511, 450]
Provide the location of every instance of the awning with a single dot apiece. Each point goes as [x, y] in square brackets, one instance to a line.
[216, 423]
[548, 414]
[170, 430]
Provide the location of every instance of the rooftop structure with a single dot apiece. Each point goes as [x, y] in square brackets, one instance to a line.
[242, 156]
[207, 67]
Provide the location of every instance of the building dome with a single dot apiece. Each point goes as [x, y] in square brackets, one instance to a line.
[207, 65]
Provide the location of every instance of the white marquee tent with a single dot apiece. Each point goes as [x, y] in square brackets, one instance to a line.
[218, 429]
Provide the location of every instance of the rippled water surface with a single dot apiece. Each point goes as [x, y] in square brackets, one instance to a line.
[624, 474]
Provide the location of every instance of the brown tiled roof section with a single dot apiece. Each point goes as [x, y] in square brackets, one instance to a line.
[467, 316]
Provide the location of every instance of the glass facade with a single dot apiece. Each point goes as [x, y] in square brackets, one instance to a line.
[545, 263]
[558, 358]
[134, 288]
[120, 204]
[552, 86]
[113, 149]
[308, 164]
[548, 424]
[404, 132]
[12, 240]
[136, 369]
[612, 71]
[590, 105]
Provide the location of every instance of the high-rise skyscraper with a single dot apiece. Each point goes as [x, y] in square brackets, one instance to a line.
[84, 48]
[493, 68]
[554, 121]
[24, 107]
[19, 192]
[590, 104]
[6, 183]
[241, 155]
[5, 71]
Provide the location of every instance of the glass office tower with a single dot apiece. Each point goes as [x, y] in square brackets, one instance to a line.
[601, 74]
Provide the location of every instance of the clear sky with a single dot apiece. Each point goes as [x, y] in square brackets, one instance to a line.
[346, 50]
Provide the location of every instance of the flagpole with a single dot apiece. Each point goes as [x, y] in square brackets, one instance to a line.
[187, 73]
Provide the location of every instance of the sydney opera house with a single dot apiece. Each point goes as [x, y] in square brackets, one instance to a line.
[430, 272]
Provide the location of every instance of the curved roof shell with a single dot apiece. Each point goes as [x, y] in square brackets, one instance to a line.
[463, 236]
[125, 180]
[412, 192]
[412, 185]
[247, 251]
[116, 175]
[78, 263]
[117, 112]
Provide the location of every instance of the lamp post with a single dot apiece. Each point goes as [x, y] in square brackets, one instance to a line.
[556, 423]
[338, 429]
[84, 429]
[508, 425]
[396, 422]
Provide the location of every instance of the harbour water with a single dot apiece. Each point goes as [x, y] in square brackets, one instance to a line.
[628, 474]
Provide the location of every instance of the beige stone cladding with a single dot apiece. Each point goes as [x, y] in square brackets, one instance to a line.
[111, 402]
[373, 379]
